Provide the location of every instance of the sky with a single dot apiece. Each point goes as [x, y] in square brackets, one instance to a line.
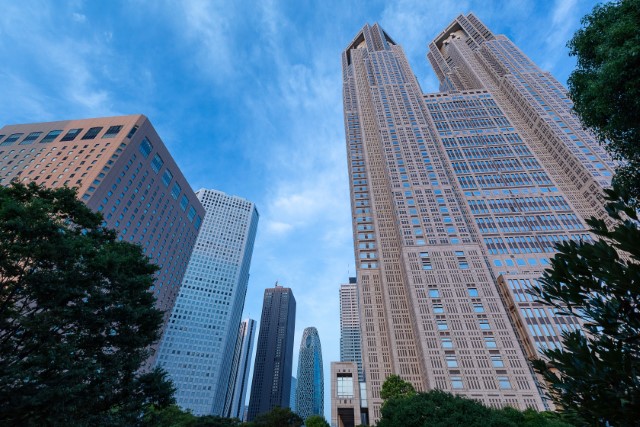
[247, 96]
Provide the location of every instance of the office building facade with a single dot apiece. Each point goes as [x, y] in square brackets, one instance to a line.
[198, 346]
[240, 369]
[122, 169]
[271, 385]
[310, 383]
[350, 347]
[456, 205]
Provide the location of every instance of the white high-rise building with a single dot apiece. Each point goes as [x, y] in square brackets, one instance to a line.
[350, 347]
[240, 367]
[198, 346]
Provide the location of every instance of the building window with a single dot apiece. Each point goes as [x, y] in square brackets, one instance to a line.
[167, 176]
[184, 202]
[490, 342]
[446, 342]
[71, 135]
[145, 147]
[197, 222]
[504, 383]
[473, 292]
[156, 163]
[434, 293]
[92, 133]
[452, 362]
[442, 325]
[438, 308]
[478, 308]
[112, 131]
[132, 131]
[175, 191]
[484, 324]
[456, 382]
[30, 138]
[51, 136]
[11, 139]
[191, 214]
[497, 362]
[344, 386]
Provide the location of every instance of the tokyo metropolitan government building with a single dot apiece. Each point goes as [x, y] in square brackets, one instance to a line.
[458, 199]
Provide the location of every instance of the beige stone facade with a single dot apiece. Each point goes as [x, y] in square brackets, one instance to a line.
[346, 401]
[457, 200]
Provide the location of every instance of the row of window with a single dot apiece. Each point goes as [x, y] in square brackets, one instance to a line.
[91, 133]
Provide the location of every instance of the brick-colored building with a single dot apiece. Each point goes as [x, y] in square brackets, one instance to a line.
[122, 169]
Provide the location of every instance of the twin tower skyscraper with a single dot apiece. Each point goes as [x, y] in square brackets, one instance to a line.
[458, 198]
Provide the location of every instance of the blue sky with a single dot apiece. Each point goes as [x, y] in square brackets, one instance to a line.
[247, 96]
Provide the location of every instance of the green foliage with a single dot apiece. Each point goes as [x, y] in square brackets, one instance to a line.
[440, 409]
[605, 87]
[76, 317]
[173, 416]
[277, 417]
[597, 375]
[316, 421]
[394, 386]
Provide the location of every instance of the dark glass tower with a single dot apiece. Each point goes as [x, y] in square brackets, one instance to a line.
[310, 391]
[271, 384]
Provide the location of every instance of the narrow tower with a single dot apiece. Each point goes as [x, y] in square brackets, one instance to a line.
[310, 388]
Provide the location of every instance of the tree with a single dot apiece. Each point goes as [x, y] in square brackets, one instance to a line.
[76, 315]
[440, 409]
[605, 87]
[394, 386]
[278, 417]
[173, 416]
[316, 421]
[597, 374]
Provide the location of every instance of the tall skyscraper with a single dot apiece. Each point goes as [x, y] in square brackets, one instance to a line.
[122, 169]
[240, 367]
[271, 385]
[198, 346]
[350, 347]
[452, 195]
[310, 388]
[292, 398]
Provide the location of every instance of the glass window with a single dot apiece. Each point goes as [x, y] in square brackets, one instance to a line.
[478, 308]
[30, 138]
[438, 308]
[176, 190]
[197, 222]
[504, 382]
[11, 139]
[157, 163]
[167, 176]
[484, 324]
[184, 202]
[473, 292]
[446, 342]
[497, 362]
[434, 293]
[145, 147]
[345, 386]
[192, 213]
[51, 136]
[71, 134]
[490, 342]
[132, 131]
[92, 133]
[112, 131]
[452, 362]
[456, 382]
